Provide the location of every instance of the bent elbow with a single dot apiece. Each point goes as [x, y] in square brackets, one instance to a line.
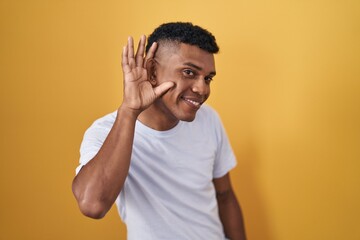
[92, 210]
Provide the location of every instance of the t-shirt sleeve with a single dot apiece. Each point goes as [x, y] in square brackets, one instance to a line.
[225, 159]
[93, 139]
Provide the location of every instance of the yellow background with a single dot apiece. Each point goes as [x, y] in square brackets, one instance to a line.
[288, 91]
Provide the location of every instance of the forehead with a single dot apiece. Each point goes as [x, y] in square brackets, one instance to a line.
[179, 54]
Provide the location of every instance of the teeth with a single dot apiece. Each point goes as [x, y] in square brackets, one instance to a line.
[192, 102]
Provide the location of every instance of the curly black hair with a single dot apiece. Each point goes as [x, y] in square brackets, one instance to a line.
[184, 32]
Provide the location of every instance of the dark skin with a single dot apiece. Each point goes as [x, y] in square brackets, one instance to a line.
[159, 91]
[229, 209]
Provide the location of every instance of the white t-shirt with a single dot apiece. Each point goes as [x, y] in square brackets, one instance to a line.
[168, 193]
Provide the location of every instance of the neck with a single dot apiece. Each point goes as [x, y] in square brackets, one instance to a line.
[156, 119]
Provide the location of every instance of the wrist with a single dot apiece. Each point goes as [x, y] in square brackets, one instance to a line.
[125, 111]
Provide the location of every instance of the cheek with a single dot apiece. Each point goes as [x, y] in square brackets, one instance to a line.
[166, 74]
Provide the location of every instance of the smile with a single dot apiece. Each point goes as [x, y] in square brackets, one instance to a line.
[192, 102]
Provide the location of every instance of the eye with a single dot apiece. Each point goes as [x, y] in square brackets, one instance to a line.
[189, 73]
[208, 79]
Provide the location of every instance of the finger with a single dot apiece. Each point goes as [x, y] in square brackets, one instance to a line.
[162, 88]
[140, 51]
[151, 52]
[130, 56]
[124, 59]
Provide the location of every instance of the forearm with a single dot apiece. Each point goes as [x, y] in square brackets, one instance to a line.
[100, 181]
[231, 216]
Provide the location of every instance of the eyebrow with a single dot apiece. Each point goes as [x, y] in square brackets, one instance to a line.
[198, 68]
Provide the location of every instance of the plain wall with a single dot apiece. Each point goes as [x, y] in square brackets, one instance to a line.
[287, 89]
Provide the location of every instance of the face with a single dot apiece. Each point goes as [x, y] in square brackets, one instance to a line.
[192, 70]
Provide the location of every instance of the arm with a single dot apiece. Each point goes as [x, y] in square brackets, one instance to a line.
[229, 209]
[100, 181]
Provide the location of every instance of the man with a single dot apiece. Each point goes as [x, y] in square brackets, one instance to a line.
[163, 156]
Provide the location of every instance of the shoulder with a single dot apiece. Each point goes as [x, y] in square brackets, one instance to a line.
[208, 114]
[103, 124]
[206, 110]
[105, 121]
[207, 118]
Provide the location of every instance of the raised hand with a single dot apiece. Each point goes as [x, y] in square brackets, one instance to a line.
[139, 93]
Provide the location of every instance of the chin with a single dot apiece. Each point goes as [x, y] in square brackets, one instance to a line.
[189, 118]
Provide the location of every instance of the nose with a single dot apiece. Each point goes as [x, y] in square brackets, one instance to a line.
[201, 87]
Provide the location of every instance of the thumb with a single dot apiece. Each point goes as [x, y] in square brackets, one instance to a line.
[162, 88]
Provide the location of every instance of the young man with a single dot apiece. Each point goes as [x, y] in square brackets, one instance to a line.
[163, 156]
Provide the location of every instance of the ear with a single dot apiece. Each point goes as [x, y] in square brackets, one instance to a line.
[151, 71]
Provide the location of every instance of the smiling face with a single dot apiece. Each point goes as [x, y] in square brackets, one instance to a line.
[191, 69]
